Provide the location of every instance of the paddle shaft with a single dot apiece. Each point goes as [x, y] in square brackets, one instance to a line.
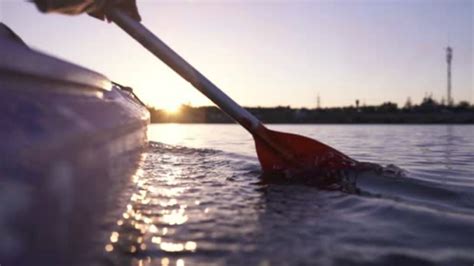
[156, 46]
[184, 69]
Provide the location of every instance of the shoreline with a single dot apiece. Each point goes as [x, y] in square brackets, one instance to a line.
[308, 124]
[343, 115]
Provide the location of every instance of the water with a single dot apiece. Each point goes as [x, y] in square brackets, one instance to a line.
[199, 200]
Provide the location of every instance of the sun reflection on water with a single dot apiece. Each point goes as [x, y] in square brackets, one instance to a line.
[174, 217]
[114, 237]
[152, 216]
[180, 262]
[171, 134]
[109, 248]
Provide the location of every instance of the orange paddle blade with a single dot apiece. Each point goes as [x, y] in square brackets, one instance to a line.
[278, 151]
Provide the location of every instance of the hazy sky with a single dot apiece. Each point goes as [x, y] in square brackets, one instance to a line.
[266, 53]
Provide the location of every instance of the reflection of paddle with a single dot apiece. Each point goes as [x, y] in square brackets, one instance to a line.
[276, 151]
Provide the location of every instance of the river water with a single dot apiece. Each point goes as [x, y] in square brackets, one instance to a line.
[199, 200]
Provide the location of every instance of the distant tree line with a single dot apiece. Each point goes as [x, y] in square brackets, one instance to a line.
[428, 111]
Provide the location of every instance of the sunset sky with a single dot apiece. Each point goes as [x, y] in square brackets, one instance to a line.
[267, 53]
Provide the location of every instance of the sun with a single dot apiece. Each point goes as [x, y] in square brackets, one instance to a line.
[172, 109]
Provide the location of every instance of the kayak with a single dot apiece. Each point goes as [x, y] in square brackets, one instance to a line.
[70, 143]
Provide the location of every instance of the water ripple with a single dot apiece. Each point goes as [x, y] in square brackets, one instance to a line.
[204, 206]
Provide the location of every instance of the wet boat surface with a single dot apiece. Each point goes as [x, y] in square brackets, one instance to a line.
[71, 140]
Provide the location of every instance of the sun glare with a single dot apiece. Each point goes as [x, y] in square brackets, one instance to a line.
[172, 109]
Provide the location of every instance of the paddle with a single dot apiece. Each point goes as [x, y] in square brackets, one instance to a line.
[276, 151]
